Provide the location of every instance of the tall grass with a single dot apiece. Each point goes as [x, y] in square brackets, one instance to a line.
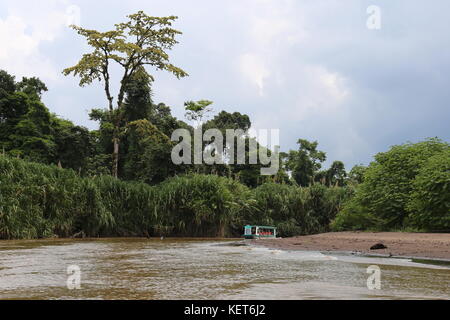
[202, 205]
[296, 210]
[39, 201]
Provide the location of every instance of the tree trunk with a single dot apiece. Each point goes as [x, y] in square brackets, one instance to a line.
[221, 231]
[115, 164]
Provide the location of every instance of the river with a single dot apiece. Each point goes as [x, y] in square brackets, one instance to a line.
[204, 270]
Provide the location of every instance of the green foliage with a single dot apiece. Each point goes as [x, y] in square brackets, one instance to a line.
[394, 190]
[304, 163]
[297, 210]
[7, 83]
[148, 157]
[233, 121]
[430, 200]
[74, 145]
[141, 41]
[336, 175]
[162, 118]
[39, 201]
[202, 205]
[196, 111]
[356, 175]
[285, 205]
[406, 188]
[138, 102]
[29, 131]
[32, 87]
[31, 137]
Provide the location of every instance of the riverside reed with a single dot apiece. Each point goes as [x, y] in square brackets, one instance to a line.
[40, 201]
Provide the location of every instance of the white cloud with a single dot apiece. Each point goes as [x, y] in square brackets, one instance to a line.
[322, 92]
[27, 26]
[279, 29]
[271, 31]
[20, 51]
[254, 69]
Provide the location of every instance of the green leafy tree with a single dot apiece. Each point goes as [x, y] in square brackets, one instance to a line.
[198, 110]
[162, 118]
[7, 83]
[382, 201]
[233, 121]
[32, 137]
[430, 200]
[148, 158]
[13, 107]
[32, 87]
[74, 145]
[305, 163]
[141, 41]
[356, 175]
[138, 97]
[336, 175]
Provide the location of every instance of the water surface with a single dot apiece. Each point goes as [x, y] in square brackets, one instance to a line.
[204, 269]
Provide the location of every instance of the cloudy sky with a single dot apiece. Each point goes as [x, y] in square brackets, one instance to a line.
[311, 68]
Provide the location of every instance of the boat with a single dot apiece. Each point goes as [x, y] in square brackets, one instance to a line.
[260, 232]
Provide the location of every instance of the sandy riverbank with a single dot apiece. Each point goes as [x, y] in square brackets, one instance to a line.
[426, 245]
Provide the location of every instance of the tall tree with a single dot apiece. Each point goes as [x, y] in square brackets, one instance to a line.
[7, 83]
[74, 145]
[304, 163]
[25, 122]
[141, 41]
[32, 87]
[148, 157]
[138, 97]
[356, 175]
[336, 175]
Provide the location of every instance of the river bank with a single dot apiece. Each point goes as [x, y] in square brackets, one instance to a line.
[420, 245]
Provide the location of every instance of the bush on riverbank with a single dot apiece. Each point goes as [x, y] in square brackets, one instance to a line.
[39, 201]
[406, 187]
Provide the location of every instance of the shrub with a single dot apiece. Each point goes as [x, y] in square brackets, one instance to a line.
[430, 200]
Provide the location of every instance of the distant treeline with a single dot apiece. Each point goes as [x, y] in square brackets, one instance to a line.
[29, 131]
[41, 201]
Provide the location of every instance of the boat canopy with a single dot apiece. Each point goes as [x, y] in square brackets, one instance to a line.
[260, 232]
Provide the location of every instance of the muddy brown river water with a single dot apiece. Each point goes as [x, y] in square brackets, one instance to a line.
[204, 270]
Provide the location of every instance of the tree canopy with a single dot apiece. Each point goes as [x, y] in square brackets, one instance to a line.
[141, 41]
[400, 188]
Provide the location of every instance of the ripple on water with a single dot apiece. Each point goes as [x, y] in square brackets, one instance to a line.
[194, 269]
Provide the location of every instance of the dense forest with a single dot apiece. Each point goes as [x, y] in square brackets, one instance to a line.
[58, 179]
[56, 176]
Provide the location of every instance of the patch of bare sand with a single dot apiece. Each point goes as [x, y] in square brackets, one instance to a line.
[426, 245]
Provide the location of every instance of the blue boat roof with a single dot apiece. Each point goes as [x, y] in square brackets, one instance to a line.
[263, 227]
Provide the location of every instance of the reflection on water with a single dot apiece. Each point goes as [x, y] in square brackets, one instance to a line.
[199, 269]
